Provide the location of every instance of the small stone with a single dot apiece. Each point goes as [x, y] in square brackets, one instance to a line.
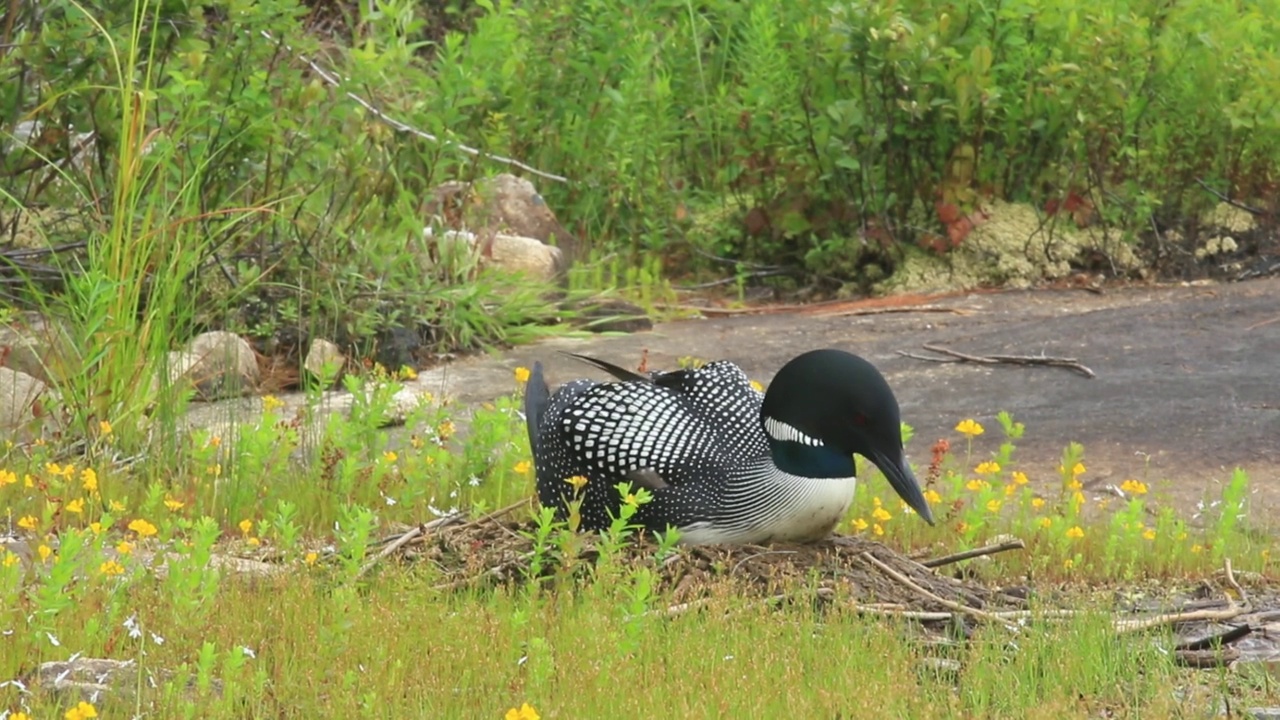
[20, 407]
[325, 361]
[220, 364]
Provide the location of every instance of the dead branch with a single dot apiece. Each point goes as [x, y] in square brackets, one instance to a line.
[910, 584]
[976, 552]
[1233, 203]
[957, 356]
[1223, 638]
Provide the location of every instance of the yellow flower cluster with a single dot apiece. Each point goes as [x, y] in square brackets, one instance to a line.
[524, 712]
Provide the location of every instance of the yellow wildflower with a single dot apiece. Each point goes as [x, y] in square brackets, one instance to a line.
[124, 547]
[1068, 564]
[1075, 532]
[993, 506]
[859, 525]
[1077, 498]
[1045, 522]
[89, 478]
[962, 527]
[524, 712]
[1019, 477]
[987, 468]
[215, 441]
[522, 375]
[104, 428]
[881, 514]
[416, 442]
[253, 541]
[577, 481]
[977, 485]
[876, 501]
[877, 529]
[44, 551]
[142, 528]
[310, 558]
[630, 499]
[96, 527]
[76, 506]
[173, 504]
[523, 467]
[932, 497]
[19, 716]
[1075, 485]
[28, 481]
[116, 506]
[408, 373]
[111, 567]
[1077, 469]
[28, 522]
[8, 477]
[246, 525]
[271, 403]
[10, 559]
[446, 429]
[1197, 549]
[757, 386]
[390, 456]
[969, 427]
[82, 711]
[214, 469]
[1134, 487]
[1149, 533]
[1010, 489]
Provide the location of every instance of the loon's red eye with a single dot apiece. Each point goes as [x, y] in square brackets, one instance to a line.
[860, 420]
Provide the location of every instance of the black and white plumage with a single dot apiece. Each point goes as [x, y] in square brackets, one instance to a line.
[724, 462]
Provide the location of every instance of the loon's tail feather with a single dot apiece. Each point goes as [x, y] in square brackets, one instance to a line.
[537, 398]
[621, 373]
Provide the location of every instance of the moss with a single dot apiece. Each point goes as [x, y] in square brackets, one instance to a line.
[1230, 218]
[1015, 247]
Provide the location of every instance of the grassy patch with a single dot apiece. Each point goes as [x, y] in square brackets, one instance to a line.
[324, 638]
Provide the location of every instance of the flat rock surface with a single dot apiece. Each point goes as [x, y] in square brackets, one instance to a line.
[1187, 386]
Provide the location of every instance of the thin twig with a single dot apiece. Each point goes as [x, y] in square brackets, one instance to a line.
[976, 552]
[909, 583]
[1247, 208]
[892, 310]
[1223, 638]
[1231, 580]
[1147, 623]
[399, 542]
[957, 356]
[759, 554]
[333, 81]
[500, 512]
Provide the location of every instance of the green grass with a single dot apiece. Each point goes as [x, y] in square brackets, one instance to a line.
[329, 641]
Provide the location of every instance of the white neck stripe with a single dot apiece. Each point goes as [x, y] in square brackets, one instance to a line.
[779, 430]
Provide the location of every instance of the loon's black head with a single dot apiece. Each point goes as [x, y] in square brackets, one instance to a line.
[826, 405]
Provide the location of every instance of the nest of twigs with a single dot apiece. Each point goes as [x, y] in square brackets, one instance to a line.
[498, 549]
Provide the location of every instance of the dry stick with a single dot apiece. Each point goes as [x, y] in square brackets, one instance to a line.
[497, 513]
[759, 554]
[909, 583]
[1231, 580]
[333, 81]
[888, 310]
[1138, 625]
[1223, 638]
[405, 539]
[957, 356]
[398, 543]
[976, 552]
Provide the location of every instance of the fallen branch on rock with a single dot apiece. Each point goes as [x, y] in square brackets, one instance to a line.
[957, 356]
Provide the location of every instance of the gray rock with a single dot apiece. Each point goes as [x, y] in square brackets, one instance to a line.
[89, 679]
[325, 361]
[20, 406]
[512, 253]
[502, 204]
[37, 346]
[219, 364]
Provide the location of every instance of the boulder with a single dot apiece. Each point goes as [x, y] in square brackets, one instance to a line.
[20, 406]
[218, 364]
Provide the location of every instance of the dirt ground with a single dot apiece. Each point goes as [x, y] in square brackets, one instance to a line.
[1187, 382]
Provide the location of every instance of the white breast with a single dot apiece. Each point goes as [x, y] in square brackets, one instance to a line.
[799, 509]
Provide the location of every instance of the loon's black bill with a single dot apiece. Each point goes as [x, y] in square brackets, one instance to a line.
[904, 482]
